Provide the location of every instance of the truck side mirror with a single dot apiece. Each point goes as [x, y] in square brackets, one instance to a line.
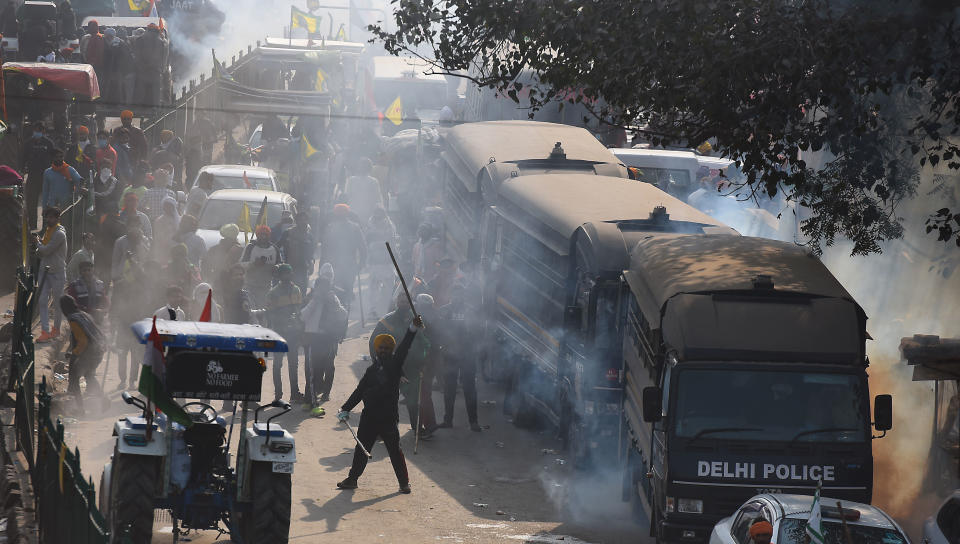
[652, 404]
[572, 318]
[883, 413]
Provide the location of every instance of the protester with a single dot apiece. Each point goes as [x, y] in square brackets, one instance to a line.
[179, 269]
[93, 48]
[87, 346]
[455, 324]
[380, 230]
[363, 192]
[75, 151]
[235, 299]
[38, 154]
[344, 247]
[325, 326]
[283, 311]
[125, 161]
[130, 212]
[379, 391]
[199, 301]
[150, 203]
[199, 193]
[223, 254]
[259, 259]
[60, 182]
[299, 246]
[171, 311]
[165, 228]
[52, 250]
[151, 51]
[106, 189]
[105, 151]
[85, 254]
[138, 142]
[187, 235]
[90, 292]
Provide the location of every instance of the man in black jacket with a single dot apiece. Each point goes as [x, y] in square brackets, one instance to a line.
[379, 389]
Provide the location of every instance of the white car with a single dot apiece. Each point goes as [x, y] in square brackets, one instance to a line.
[230, 176]
[789, 513]
[225, 206]
[944, 526]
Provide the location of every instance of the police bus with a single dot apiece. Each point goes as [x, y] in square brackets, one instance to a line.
[744, 372]
[478, 157]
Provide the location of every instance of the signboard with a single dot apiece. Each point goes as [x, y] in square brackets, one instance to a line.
[214, 375]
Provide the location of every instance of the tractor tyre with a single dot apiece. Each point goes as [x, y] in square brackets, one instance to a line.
[269, 519]
[11, 219]
[133, 484]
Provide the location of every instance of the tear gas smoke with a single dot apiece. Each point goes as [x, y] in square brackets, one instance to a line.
[247, 21]
[909, 289]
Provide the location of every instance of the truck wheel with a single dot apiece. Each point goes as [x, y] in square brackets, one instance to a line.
[132, 486]
[269, 519]
[11, 210]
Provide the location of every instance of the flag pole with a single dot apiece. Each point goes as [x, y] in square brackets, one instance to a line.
[290, 32]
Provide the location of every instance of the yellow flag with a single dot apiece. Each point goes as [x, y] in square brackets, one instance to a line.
[138, 5]
[308, 149]
[395, 112]
[302, 19]
[321, 80]
[244, 221]
[342, 34]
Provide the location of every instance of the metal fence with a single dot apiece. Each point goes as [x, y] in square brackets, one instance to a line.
[66, 503]
[66, 506]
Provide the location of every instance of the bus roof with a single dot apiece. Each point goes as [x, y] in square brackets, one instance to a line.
[669, 264]
[312, 45]
[219, 336]
[564, 202]
[475, 145]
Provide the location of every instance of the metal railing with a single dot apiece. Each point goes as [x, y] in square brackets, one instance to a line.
[66, 502]
[22, 368]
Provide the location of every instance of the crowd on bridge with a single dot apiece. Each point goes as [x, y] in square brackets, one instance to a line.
[132, 64]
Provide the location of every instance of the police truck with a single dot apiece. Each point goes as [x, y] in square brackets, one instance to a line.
[744, 372]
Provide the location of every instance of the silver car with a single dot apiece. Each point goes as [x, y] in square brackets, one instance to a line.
[789, 513]
[225, 206]
[944, 526]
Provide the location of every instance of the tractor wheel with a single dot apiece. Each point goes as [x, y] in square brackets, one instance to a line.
[133, 483]
[11, 217]
[269, 519]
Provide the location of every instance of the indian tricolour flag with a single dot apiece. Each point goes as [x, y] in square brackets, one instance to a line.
[151, 382]
[815, 521]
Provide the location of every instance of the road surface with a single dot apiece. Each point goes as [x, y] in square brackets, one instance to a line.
[500, 485]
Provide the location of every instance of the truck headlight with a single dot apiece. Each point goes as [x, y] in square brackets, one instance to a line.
[670, 503]
[690, 506]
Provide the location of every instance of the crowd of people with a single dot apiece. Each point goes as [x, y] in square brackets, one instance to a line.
[132, 66]
[301, 275]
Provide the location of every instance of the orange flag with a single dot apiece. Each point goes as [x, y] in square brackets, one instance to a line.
[207, 306]
[246, 180]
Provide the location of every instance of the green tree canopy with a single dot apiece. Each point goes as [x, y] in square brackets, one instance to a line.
[869, 87]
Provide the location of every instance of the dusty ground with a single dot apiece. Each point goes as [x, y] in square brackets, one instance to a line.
[494, 486]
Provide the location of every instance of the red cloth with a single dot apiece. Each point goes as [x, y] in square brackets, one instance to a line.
[207, 310]
[94, 53]
[110, 153]
[9, 176]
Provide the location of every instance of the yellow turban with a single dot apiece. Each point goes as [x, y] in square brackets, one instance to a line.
[384, 340]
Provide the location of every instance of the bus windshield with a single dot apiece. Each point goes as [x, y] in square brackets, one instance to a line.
[770, 405]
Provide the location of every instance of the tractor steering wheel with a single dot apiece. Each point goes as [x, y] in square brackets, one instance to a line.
[204, 407]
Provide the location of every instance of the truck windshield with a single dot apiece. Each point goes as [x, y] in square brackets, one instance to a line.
[769, 405]
[792, 531]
